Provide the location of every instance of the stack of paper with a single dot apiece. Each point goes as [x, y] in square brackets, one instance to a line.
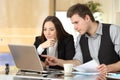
[89, 68]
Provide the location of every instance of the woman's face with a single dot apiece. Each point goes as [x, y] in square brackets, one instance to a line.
[49, 30]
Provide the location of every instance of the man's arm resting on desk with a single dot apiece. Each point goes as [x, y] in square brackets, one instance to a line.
[52, 61]
[74, 62]
[113, 67]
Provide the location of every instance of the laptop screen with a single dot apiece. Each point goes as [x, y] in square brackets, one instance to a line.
[26, 57]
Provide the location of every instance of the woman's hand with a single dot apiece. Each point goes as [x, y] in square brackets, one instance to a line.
[48, 43]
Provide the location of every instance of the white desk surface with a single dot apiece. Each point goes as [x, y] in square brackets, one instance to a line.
[12, 77]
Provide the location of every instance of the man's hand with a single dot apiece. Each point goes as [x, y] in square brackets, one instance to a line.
[48, 43]
[102, 69]
[101, 77]
[50, 60]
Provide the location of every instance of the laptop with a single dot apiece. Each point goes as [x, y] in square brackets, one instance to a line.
[26, 57]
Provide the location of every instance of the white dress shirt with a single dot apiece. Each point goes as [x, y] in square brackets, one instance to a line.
[94, 42]
[52, 51]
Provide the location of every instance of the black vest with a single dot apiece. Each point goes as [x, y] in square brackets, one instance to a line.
[106, 54]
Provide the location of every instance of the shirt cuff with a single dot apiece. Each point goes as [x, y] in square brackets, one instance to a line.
[40, 50]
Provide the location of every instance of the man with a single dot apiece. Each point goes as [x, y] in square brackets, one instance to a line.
[96, 41]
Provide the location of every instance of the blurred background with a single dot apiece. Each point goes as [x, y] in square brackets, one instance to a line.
[21, 20]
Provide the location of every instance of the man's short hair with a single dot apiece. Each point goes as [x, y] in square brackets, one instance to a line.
[81, 9]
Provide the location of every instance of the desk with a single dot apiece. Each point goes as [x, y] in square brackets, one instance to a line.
[56, 77]
[15, 77]
[13, 70]
[53, 76]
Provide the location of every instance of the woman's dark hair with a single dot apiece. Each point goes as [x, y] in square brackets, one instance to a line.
[81, 9]
[61, 33]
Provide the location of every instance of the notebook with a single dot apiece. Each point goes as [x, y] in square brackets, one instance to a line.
[26, 57]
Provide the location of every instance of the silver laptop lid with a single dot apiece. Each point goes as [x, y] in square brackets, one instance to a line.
[26, 57]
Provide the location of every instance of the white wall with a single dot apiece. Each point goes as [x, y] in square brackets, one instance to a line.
[68, 26]
[110, 8]
[111, 11]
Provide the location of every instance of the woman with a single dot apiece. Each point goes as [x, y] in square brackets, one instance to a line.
[55, 41]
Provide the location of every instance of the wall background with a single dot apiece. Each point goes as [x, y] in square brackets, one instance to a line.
[21, 20]
[110, 8]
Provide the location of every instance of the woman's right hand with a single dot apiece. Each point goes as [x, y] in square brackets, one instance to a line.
[48, 43]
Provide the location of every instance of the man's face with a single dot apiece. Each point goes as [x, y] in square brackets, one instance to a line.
[80, 24]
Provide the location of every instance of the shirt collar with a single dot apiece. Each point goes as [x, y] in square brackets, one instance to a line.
[98, 32]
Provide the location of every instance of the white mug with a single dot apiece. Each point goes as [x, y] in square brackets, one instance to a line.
[68, 78]
[68, 69]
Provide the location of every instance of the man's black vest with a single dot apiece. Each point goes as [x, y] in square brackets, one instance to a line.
[106, 54]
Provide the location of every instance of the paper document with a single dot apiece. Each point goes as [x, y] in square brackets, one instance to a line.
[90, 66]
